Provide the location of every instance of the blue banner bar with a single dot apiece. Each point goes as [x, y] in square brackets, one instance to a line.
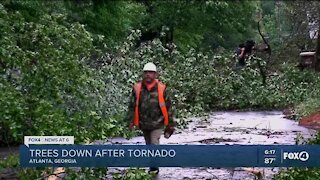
[170, 156]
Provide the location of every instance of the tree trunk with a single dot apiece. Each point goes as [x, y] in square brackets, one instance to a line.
[317, 57]
[277, 18]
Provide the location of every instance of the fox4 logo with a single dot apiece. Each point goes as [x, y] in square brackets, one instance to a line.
[302, 156]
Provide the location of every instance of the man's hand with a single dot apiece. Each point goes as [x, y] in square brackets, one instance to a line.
[168, 131]
[131, 126]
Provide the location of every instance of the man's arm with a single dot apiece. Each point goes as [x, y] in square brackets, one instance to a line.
[241, 52]
[169, 107]
[131, 109]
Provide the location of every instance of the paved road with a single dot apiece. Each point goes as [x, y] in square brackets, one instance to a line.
[229, 128]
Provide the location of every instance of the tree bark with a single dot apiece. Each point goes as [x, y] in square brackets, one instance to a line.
[317, 56]
[277, 18]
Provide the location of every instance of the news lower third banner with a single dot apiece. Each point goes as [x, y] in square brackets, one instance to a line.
[170, 155]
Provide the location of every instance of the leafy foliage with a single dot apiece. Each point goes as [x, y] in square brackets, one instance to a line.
[69, 71]
[200, 24]
[86, 96]
[11, 163]
[47, 87]
[300, 173]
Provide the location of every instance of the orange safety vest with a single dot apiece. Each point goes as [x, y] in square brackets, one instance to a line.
[162, 103]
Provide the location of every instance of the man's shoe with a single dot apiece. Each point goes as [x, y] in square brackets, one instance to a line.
[154, 171]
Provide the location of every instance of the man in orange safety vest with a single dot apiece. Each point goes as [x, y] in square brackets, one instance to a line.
[150, 108]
